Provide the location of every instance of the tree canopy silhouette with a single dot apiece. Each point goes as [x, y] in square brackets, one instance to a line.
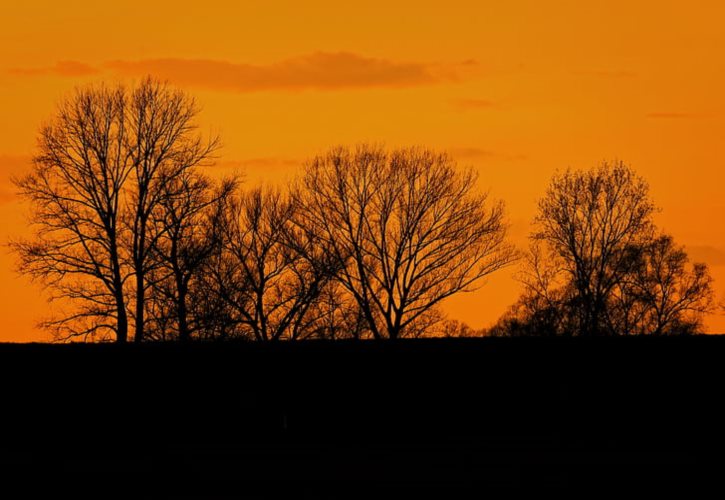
[597, 265]
[407, 227]
[270, 273]
[189, 221]
[365, 243]
[76, 193]
[162, 145]
[102, 163]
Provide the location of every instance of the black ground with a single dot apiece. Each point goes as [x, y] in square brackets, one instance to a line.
[336, 420]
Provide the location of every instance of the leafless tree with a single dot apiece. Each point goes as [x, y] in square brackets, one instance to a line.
[586, 220]
[189, 217]
[163, 144]
[597, 267]
[548, 305]
[270, 272]
[458, 329]
[407, 227]
[661, 294]
[337, 315]
[75, 190]
[100, 173]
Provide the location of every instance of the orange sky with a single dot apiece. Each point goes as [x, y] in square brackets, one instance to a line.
[516, 88]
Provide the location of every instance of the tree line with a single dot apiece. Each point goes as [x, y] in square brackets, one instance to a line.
[136, 242]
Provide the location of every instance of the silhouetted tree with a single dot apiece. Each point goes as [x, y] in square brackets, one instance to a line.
[586, 220]
[407, 228]
[162, 144]
[596, 266]
[338, 316]
[99, 175]
[75, 190]
[270, 271]
[458, 329]
[659, 294]
[189, 218]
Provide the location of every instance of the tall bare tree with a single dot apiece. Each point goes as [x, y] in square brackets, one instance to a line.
[338, 316]
[661, 294]
[189, 217]
[586, 220]
[596, 265]
[100, 173]
[270, 272]
[407, 227]
[163, 143]
[75, 190]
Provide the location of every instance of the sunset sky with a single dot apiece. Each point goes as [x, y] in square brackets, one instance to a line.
[517, 89]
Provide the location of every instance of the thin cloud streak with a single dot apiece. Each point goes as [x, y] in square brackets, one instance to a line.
[318, 71]
[61, 68]
[470, 152]
[11, 166]
[671, 115]
[711, 255]
[604, 73]
[259, 163]
[468, 104]
[474, 153]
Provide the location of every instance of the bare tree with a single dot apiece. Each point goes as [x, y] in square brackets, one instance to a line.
[407, 228]
[596, 266]
[270, 272]
[452, 328]
[661, 294]
[75, 192]
[312, 267]
[189, 216]
[586, 220]
[100, 173]
[163, 144]
[337, 315]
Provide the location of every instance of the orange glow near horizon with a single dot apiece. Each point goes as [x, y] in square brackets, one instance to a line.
[517, 89]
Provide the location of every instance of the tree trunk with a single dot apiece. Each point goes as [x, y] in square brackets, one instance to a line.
[140, 306]
[121, 314]
[184, 334]
[122, 321]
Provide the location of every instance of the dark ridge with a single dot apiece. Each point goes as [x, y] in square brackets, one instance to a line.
[338, 419]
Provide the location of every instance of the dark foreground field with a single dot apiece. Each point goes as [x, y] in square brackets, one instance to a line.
[337, 420]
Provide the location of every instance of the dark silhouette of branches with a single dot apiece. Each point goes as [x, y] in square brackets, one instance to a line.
[189, 215]
[338, 316]
[100, 172]
[407, 228]
[367, 243]
[75, 191]
[585, 220]
[660, 295]
[163, 145]
[597, 267]
[271, 271]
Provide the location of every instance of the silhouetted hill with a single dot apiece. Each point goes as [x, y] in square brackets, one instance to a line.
[336, 419]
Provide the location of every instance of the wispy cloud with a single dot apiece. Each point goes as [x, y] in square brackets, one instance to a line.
[606, 73]
[704, 253]
[468, 104]
[671, 115]
[321, 70]
[470, 153]
[61, 68]
[474, 153]
[11, 166]
[268, 162]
